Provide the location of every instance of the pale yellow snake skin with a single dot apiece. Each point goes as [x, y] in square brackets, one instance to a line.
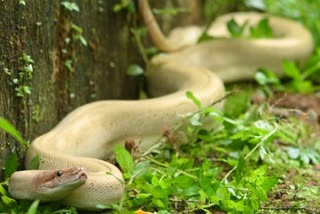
[90, 132]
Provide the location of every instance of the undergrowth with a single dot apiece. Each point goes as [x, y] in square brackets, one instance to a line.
[228, 168]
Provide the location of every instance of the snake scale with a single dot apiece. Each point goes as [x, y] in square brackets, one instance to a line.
[71, 165]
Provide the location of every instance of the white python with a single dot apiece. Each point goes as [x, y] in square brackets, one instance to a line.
[90, 132]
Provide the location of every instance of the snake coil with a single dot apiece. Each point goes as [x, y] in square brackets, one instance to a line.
[89, 133]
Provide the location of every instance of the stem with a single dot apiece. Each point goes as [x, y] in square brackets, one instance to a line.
[140, 46]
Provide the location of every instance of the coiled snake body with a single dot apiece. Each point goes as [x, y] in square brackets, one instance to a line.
[90, 132]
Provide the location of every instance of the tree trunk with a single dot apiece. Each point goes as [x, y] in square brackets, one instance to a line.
[53, 59]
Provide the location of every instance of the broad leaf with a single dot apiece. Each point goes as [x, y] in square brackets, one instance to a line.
[190, 95]
[124, 159]
[33, 208]
[11, 165]
[35, 163]
[11, 130]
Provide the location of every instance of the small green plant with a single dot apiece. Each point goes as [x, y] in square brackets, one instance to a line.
[36, 113]
[69, 64]
[125, 5]
[135, 70]
[71, 6]
[302, 11]
[77, 34]
[304, 80]
[261, 30]
[22, 2]
[25, 74]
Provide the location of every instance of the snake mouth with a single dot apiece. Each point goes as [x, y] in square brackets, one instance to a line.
[81, 175]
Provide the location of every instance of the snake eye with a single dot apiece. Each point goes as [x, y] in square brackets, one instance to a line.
[59, 173]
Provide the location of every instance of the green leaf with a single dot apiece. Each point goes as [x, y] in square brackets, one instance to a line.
[3, 191]
[236, 104]
[264, 77]
[261, 193]
[235, 29]
[239, 206]
[22, 2]
[124, 159]
[33, 208]
[158, 203]
[68, 63]
[286, 134]
[35, 163]
[11, 130]
[205, 37]
[26, 59]
[261, 170]
[293, 153]
[71, 6]
[23, 90]
[269, 182]
[261, 30]
[222, 193]
[239, 169]
[135, 70]
[229, 204]
[139, 31]
[255, 204]
[291, 70]
[183, 181]
[125, 4]
[165, 183]
[302, 86]
[11, 165]
[83, 40]
[197, 102]
[155, 181]
[257, 4]
[203, 196]
[140, 168]
[191, 191]
[195, 120]
[8, 201]
[77, 28]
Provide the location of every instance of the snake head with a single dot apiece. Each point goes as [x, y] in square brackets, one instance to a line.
[46, 185]
[59, 183]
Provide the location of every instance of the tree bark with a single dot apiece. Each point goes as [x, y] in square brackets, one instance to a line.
[74, 58]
